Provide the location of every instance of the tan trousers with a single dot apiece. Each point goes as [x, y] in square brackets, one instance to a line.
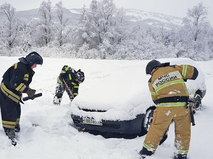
[162, 118]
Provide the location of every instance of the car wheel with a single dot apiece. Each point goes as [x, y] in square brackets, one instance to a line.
[197, 103]
[148, 117]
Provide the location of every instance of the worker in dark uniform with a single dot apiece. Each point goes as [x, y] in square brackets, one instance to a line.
[68, 80]
[16, 81]
[169, 93]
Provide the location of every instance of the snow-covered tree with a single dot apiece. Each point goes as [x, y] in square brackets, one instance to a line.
[195, 22]
[62, 29]
[43, 33]
[194, 32]
[102, 26]
[10, 28]
[104, 32]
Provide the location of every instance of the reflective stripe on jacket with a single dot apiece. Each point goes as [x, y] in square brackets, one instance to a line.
[167, 85]
[16, 81]
[15, 97]
[68, 74]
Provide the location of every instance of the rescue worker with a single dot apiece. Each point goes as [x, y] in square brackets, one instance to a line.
[68, 80]
[169, 93]
[16, 80]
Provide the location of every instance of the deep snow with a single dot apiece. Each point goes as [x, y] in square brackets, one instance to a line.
[54, 135]
[122, 90]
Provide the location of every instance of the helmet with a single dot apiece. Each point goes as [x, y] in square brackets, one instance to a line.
[151, 65]
[80, 76]
[34, 58]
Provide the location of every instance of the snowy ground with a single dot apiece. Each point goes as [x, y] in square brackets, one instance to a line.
[56, 137]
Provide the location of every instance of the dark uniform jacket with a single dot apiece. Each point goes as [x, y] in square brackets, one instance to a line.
[69, 75]
[16, 81]
[167, 84]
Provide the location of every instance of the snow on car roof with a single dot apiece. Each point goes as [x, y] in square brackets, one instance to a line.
[122, 88]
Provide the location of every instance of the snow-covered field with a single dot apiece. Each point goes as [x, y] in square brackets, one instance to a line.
[54, 135]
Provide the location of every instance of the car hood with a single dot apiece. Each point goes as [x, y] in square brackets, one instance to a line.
[122, 94]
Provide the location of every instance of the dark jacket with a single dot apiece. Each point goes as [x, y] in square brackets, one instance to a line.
[16, 80]
[68, 74]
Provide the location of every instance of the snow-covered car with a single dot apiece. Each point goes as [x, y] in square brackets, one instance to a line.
[120, 102]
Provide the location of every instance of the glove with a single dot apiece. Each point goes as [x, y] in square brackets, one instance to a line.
[61, 76]
[31, 92]
[189, 103]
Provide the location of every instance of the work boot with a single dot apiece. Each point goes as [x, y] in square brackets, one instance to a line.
[17, 128]
[180, 156]
[56, 100]
[14, 142]
[142, 157]
[11, 135]
[144, 153]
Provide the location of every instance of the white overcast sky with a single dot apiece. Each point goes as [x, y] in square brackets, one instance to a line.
[176, 8]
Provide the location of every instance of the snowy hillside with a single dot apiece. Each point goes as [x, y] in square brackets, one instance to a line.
[48, 132]
[135, 16]
[28, 15]
[147, 18]
[153, 19]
